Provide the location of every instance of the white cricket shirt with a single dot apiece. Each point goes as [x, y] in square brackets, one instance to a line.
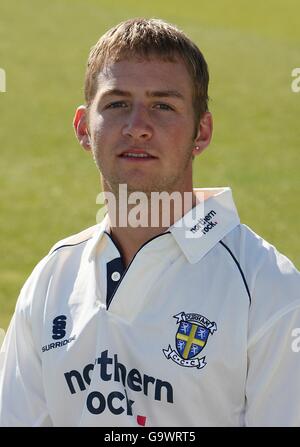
[195, 332]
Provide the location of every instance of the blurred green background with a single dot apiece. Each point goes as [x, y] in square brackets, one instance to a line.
[48, 185]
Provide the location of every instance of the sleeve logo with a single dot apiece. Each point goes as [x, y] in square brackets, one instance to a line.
[59, 326]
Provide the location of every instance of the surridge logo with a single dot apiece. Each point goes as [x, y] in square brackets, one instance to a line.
[59, 326]
[191, 338]
[59, 332]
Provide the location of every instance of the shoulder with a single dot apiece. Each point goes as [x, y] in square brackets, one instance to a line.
[66, 256]
[255, 253]
[260, 261]
[75, 239]
[272, 279]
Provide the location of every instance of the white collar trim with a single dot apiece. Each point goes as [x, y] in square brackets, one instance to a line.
[216, 217]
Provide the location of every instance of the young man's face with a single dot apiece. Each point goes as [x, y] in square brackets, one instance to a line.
[142, 126]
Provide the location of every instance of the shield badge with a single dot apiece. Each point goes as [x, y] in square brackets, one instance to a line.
[190, 339]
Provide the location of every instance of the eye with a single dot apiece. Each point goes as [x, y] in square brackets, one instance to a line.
[163, 106]
[116, 105]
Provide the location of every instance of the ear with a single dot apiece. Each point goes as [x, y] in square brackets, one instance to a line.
[81, 127]
[204, 133]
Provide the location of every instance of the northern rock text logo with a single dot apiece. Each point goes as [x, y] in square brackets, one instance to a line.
[117, 402]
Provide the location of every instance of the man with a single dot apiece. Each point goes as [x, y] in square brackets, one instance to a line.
[185, 324]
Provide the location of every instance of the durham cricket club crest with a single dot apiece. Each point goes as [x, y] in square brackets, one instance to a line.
[191, 337]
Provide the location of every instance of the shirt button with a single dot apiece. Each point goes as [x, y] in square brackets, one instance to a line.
[115, 276]
[98, 303]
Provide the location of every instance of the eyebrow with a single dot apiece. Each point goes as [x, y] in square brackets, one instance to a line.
[150, 94]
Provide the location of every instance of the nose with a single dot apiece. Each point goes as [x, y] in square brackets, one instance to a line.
[138, 124]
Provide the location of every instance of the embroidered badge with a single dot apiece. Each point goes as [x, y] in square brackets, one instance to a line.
[190, 339]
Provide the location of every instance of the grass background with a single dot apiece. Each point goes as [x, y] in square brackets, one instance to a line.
[48, 185]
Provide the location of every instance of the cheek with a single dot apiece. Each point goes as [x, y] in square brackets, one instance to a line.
[100, 131]
[178, 132]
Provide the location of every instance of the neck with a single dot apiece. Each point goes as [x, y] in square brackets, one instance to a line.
[131, 226]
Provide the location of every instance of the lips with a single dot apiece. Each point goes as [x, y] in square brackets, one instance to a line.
[136, 154]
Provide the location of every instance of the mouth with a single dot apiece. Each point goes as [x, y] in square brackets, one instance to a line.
[137, 155]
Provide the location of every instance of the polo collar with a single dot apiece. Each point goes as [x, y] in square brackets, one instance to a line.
[97, 238]
[216, 217]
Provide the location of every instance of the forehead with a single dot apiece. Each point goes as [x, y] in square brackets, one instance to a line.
[146, 75]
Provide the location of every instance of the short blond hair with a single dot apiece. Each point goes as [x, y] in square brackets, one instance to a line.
[145, 38]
